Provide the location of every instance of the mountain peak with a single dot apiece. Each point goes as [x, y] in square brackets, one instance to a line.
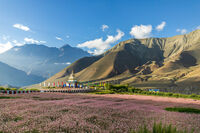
[40, 59]
[159, 59]
[65, 46]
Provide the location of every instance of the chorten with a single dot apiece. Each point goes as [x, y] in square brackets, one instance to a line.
[72, 78]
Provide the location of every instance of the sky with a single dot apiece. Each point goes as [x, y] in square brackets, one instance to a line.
[93, 25]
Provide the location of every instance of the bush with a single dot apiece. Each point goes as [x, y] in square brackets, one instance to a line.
[176, 95]
[21, 89]
[32, 89]
[145, 92]
[193, 96]
[161, 93]
[169, 94]
[134, 90]
[118, 88]
[184, 96]
[13, 89]
[1, 88]
[7, 89]
[107, 86]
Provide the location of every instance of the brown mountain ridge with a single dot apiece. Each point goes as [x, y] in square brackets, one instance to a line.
[150, 62]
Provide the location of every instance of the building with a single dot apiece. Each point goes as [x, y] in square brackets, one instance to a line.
[72, 81]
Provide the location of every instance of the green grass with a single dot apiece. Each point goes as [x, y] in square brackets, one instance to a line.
[160, 128]
[102, 92]
[6, 97]
[135, 91]
[183, 110]
[32, 131]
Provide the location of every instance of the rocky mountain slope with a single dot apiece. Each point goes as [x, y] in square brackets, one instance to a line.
[150, 62]
[14, 77]
[41, 60]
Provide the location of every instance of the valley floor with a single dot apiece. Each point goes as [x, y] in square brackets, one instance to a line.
[58, 112]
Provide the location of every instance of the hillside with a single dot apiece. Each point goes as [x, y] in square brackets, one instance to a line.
[150, 62]
[41, 60]
[14, 77]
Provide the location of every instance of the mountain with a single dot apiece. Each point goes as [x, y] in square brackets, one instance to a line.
[41, 60]
[10, 76]
[150, 62]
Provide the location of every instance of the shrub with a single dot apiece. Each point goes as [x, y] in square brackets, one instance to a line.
[13, 89]
[135, 90]
[7, 89]
[193, 95]
[145, 92]
[21, 89]
[32, 89]
[107, 86]
[169, 94]
[1, 88]
[118, 88]
[176, 95]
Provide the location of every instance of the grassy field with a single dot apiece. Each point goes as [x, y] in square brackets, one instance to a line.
[58, 112]
[124, 89]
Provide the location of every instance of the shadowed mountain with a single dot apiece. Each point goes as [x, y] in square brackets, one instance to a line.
[15, 77]
[40, 59]
[151, 62]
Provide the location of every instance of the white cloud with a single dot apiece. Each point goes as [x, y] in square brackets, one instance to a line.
[31, 40]
[103, 27]
[17, 43]
[142, 31]
[21, 27]
[58, 38]
[5, 46]
[198, 27]
[161, 26]
[182, 31]
[90, 52]
[99, 45]
[14, 41]
[67, 36]
[67, 63]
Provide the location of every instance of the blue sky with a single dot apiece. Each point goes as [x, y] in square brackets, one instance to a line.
[79, 22]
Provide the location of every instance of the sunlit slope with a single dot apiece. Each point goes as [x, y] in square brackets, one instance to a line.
[139, 61]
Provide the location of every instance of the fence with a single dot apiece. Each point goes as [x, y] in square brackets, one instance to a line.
[69, 91]
[60, 91]
[16, 92]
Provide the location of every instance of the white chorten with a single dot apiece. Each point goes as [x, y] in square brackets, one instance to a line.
[72, 77]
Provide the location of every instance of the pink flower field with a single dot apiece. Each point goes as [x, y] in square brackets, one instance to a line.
[59, 112]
